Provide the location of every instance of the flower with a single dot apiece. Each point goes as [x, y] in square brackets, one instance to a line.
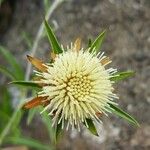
[76, 86]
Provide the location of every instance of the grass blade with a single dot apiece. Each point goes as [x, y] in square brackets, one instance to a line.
[116, 110]
[7, 73]
[48, 123]
[28, 142]
[122, 75]
[31, 115]
[96, 45]
[27, 39]
[52, 38]
[18, 72]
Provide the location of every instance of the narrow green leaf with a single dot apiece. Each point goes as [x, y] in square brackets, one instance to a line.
[122, 75]
[27, 39]
[26, 84]
[89, 43]
[5, 104]
[46, 5]
[48, 123]
[52, 38]
[7, 73]
[116, 110]
[92, 127]
[18, 72]
[4, 119]
[15, 128]
[31, 115]
[96, 45]
[28, 142]
[59, 131]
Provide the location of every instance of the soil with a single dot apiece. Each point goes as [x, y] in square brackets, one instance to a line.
[128, 45]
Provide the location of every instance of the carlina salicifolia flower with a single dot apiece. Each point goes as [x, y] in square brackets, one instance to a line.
[76, 86]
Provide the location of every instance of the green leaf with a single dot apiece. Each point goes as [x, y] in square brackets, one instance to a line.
[7, 73]
[28, 142]
[5, 104]
[4, 119]
[122, 75]
[27, 39]
[96, 45]
[52, 38]
[18, 72]
[48, 123]
[92, 127]
[26, 84]
[89, 43]
[15, 128]
[116, 110]
[59, 131]
[31, 115]
[5, 107]
[46, 5]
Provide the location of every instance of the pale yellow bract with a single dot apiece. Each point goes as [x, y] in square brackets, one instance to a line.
[78, 86]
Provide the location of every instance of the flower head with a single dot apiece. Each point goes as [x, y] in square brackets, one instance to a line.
[77, 86]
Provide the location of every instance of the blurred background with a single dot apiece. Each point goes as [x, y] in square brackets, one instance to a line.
[127, 43]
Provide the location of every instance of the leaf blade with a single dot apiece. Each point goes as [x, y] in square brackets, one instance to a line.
[13, 62]
[28, 142]
[26, 83]
[7, 73]
[96, 45]
[123, 114]
[58, 132]
[92, 127]
[122, 75]
[31, 115]
[48, 123]
[52, 38]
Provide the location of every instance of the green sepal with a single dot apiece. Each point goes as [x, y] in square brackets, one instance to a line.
[118, 111]
[122, 75]
[91, 127]
[52, 39]
[96, 45]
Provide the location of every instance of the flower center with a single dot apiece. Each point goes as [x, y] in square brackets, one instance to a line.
[79, 86]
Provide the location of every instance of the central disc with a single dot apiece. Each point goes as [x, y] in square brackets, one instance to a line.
[79, 87]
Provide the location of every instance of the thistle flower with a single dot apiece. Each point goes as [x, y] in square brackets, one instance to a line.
[77, 86]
